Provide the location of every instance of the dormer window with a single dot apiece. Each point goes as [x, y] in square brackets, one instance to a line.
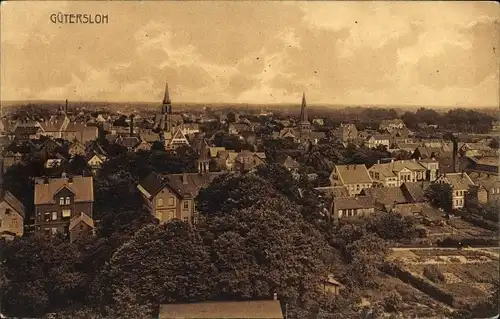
[68, 200]
[61, 201]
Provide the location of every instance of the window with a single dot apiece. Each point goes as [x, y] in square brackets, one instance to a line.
[66, 213]
[53, 230]
[54, 215]
[7, 211]
[171, 201]
[61, 201]
[47, 217]
[15, 223]
[81, 226]
[68, 201]
[159, 202]
[186, 219]
[186, 205]
[0, 223]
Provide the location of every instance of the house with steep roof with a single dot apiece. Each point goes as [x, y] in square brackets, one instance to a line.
[247, 161]
[252, 309]
[174, 139]
[289, 163]
[58, 200]
[375, 140]
[172, 196]
[81, 226]
[415, 192]
[76, 148]
[12, 211]
[460, 184]
[346, 132]
[487, 187]
[354, 177]
[395, 173]
[392, 124]
[95, 160]
[226, 160]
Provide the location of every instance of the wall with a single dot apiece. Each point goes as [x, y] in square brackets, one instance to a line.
[12, 222]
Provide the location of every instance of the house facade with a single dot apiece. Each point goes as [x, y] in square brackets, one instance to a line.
[396, 173]
[58, 200]
[460, 184]
[173, 196]
[375, 141]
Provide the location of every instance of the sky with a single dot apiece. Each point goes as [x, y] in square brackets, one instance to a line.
[440, 54]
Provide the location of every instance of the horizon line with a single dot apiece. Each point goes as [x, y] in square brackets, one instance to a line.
[250, 103]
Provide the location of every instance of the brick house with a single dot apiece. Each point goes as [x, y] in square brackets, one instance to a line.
[460, 184]
[59, 200]
[172, 196]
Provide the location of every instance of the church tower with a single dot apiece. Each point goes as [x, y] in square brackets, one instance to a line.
[167, 110]
[304, 126]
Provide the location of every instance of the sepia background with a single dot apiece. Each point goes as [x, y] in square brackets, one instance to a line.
[340, 53]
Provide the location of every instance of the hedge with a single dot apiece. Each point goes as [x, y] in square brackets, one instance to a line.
[481, 222]
[456, 242]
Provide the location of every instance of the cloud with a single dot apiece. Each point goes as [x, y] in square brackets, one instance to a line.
[337, 52]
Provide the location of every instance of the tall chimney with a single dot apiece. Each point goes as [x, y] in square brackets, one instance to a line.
[184, 178]
[66, 107]
[132, 125]
[455, 151]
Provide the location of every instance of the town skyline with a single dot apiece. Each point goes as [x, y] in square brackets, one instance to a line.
[382, 54]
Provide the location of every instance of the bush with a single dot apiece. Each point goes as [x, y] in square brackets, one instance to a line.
[434, 274]
[392, 303]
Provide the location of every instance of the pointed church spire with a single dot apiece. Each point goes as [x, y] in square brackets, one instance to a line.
[303, 109]
[166, 97]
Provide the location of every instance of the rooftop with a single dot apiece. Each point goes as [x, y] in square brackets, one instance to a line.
[266, 309]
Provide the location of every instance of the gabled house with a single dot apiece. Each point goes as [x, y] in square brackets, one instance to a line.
[175, 139]
[54, 126]
[392, 124]
[76, 148]
[226, 160]
[129, 142]
[59, 200]
[95, 160]
[487, 187]
[172, 196]
[347, 132]
[81, 226]
[247, 161]
[12, 212]
[378, 140]
[460, 184]
[354, 177]
[290, 164]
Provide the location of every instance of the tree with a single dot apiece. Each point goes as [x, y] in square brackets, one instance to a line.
[263, 249]
[227, 193]
[440, 196]
[392, 226]
[43, 273]
[161, 264]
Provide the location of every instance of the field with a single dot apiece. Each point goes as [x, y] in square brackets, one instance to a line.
[467, 274]
[415, 304]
